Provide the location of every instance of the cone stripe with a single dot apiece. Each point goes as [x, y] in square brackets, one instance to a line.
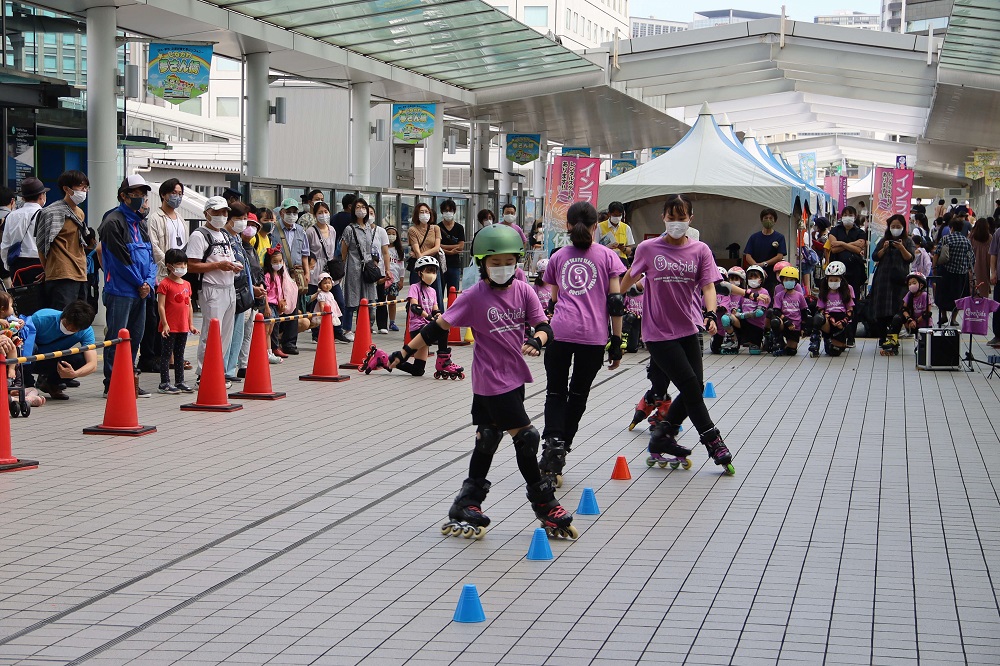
[455, 338]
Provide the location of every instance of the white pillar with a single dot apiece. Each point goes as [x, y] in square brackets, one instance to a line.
[480, 184]
[474, 162]
[538, 171]
[257, 110]
[434, 154]
[361, 158]
[506, 166]
[102, 116]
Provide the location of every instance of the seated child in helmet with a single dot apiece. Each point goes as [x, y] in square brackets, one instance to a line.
[790, 311]
[916, 311]
[835, 305]
[748, 319]
[421, 301]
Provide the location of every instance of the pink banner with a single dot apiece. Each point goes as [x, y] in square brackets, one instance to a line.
[569, 179]
[836, 187]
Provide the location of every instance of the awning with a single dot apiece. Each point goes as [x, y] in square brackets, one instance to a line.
[26, 90]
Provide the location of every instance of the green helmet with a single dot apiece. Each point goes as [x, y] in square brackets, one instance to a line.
[497, 239]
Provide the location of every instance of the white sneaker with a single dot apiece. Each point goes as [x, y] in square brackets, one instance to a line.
[383, 331]
[349, 335]
[272, 359]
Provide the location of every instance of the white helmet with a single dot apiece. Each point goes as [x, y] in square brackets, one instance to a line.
[542, 264]
[723, 272]
[759, 270]
[425, 261]
[738, 272]
[835, 268]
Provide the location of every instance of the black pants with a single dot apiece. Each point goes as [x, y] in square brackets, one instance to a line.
[382, 311]
[60, 293]
[175, 344]
[150, 348]
[680, 360]
[48, 371]
[566, 395]
[285, 333]
[857, 283]
[996, 315]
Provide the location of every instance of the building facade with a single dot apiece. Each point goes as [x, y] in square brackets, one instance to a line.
[708, 19]
[646, 27]
[579, 24]
[850, 19]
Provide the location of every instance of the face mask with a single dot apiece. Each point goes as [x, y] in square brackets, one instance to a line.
[896, 232]
[64, 330]
[218, 221]
[277, 267]
[361, 214]
[488, 221]
[135, 203]
[267, 227]
[768, 224]
[501, 275]
[676, 230]
[239, 226]
[914, 288]
[615, 220]
[424, 218]
[428, 277]
[290, 218]
[848, 221]
[180, 271]
[392, 238]
[833, 284]
[175, 200]
[509, 218]
[249, 232]
[323, 218]
[79, 196]
[789, 284]
[448, 217]
[753, 284]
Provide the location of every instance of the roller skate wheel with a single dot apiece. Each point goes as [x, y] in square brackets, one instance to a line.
[468, 531]
[446, 529]
[662, 464]
[729, 470]
[674, 465]
[461, 376]
[650, 462]
[571, 532]
[559, 480]
[456, 530]
[550, 531]
[686, 464]
[478, 533]
[25, 409]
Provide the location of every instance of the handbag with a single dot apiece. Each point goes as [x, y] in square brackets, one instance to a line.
[411, 261]
[241, 281]
[944, 256]
[369, 269]
[335, 267]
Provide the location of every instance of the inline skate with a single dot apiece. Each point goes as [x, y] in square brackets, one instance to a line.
[890, 346]
[553, 459]
[718, 452]
[466, 518]
[444, 368]
[663, 441]
[650, 408]
[555, 519]
[730, 346]
[374, 360]
[814, 340]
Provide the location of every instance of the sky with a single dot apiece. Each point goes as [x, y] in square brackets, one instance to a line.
[799, 10]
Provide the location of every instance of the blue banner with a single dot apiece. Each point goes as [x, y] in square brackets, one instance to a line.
[807, 167]
[575, 151]
[618, 167]
[659, 150]
[176, 72]
[523, 148]
[412, 123]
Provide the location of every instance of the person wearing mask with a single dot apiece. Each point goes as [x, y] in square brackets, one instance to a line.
[262, 241]
[8, 202]
[356, 248]
[129, 269]
[452, 243]
[244, 289]
[994, 253]
[424, 239]
[953, 274]
[309, 201]
[996, 211]
[848, 245]
[63, 240]
[509, 213]
[259, 292]
[210, 253]
[892, 256]
[485, 218]
[51, 330]
[765, 248]
[295, 250]
[380, 252]
[344, 218]
[167, 231]
[614, 233]
[394, 278]
[18, 246]
[323, 247]
[920, 226]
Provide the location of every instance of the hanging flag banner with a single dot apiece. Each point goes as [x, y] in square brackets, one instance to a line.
[807, 167]
[900, 161]
[575, 151]
[569, 179]
[412, 123]
[842, 190]
[177, 73]
[974, 171]
[659, 150]
[993, 177]
[985, 157]
[523, 148]
[618, 167]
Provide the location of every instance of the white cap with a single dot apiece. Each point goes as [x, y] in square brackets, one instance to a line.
[132, 182]
[324, 276]
[216, 203]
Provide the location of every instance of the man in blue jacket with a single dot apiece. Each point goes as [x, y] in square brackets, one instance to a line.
[129, 269]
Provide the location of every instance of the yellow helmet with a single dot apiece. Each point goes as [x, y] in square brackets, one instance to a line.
[789, 272]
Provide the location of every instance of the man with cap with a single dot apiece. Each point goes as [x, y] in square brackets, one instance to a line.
[295, 249]
[17, 249]
[129, 270]
[63, 240]
[231, 195]
[210, 254]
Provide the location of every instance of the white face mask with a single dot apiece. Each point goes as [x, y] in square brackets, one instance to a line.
[448, 217]
[78, 196]
[277, 267]
[896, 232]
[615, 220]
[424, 217]
[847, 221]
[833, 284]
[361, 214]
[510, 218]
[323, 218]
[64, 330]
[914, 288]
[753, 284]
[676, 230]
[180, 271]
[239, 226]
[218, 221]
[501, 274]
[290, 218]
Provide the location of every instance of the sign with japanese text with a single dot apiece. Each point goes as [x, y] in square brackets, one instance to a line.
[974, 171]
[569, 179]
[523, 148]
[412, 123]
[807, 167]
[985, 157]
[992, 175]
[177, 73]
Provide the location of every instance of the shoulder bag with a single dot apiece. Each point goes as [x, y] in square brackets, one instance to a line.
[369, 269]
[335, 266]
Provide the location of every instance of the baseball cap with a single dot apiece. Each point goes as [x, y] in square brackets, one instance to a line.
[230, 193]
[32, 187]
[216, 203]
[323, 276]
[289, 203]
[133, 182]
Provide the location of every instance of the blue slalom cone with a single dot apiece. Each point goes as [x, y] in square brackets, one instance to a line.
[469, 608]
[588, 503]
[709, 390]
[539, 548]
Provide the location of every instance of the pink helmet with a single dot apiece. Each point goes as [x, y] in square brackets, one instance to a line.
[781, 264]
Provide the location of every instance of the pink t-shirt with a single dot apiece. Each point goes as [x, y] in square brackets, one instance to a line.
[582, 276]
[675, 275]
[750, 305]
[426, 298]
[497, 318]
[834, 303]
[634, 305]
[791, 303]
[544, 293]
[976, 314]
[917, 305]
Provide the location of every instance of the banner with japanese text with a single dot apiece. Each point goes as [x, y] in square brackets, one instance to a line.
[177, 73]
[893, 192]
[807, 167]
[974, 171]
[992, 175]
[412, 123]
[569, 179]
[523, 148]
[985, 157]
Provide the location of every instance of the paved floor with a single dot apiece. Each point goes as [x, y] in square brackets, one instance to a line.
[863, 526]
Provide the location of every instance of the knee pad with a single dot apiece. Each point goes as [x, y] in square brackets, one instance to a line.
[488, 439]
[726, 320]
[818, 320]
[527, 440]
[418, 367]
[897, 323]
[777, 323]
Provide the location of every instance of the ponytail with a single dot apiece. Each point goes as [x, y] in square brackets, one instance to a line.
[580, 218]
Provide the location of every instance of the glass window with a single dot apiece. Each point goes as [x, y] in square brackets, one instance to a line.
[50, 64]
[192, 106]
[576, 22]
[29, 38]
[68, 64]
[29, 61]
[227, 107]
[83, 65]
[569, 19]
[503, 8]
[69, 39]
[227, 65]
[50, 38]
[536, 16]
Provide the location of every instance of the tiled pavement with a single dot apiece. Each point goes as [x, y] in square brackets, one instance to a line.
[863, 526]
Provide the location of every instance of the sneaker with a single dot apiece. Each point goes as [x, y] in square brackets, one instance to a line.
[184, 388]
[230, 379]
[168, 389]
[142, 393]
[279, 353]
[241, 373]
[272, 359]
[342, 339]
[71, 383]
[850, 344]
[290, 350]
[383, 331]
[995, 342]
[349, 336]
[393, 327]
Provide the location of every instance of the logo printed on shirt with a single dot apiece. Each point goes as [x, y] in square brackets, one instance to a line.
[661, 263]
[578, 276]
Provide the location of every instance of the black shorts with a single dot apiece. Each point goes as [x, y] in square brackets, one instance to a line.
[503, 412]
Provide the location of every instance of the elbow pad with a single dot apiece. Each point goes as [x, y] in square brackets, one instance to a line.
[722, 288]
[416, 309]
[432, 333]
[616, 305]
[545, 328]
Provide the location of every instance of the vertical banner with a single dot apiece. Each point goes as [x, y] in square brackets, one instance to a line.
[412, 123]
[974, 171]
[575, 151]
[618, 167]
[900, 161]
[892, 196]
[992, 175]
[807, 167]
[842, 190]
[657, 151]
[985, 157]
[569, 179]
[177, 73]
[523, 148]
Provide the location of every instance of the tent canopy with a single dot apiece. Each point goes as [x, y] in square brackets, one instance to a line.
[703, 162]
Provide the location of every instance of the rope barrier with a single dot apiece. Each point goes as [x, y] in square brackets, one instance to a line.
[73, 351]
[309, 315]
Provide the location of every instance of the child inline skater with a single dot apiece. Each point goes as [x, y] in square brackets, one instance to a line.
[916, 312]
[723, 308]
[543, 290]
[655, 402]
[677, 269]
[747, 319]
[834, 310]
[497, 308]
[736, 277]
[585, 280]
[790, 312]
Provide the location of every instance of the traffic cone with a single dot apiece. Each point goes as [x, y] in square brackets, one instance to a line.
[470, 608]
[257, 385]
[539, 548]
[621, 472]
[121, 417]
[588, 503]
[454, 333]
[8, 463]
[468, 336]
[212, 387]
[406, 331]
[325, 363]
[709, 390]
[362, 338]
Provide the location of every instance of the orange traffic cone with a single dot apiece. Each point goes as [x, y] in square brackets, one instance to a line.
[257, 385]
[406, 334]
[212, 388]
[325, 363]
[362, 338]
[8, 463]
[121, 416]
[455, 338]
[621, 472]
